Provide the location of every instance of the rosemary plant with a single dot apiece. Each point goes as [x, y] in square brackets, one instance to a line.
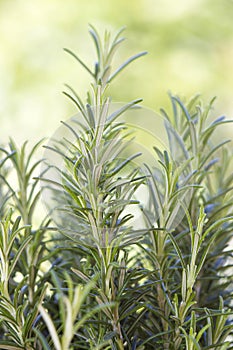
[86, 277]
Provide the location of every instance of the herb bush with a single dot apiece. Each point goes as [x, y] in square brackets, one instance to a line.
[91, 279]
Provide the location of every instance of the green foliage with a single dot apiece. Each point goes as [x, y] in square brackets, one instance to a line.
[94, 281]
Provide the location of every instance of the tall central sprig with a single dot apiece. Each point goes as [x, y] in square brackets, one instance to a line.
[98, 181]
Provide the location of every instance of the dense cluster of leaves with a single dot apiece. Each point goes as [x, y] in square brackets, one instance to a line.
[161, 287]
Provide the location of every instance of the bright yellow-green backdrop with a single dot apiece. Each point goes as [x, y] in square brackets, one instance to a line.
[190, 45]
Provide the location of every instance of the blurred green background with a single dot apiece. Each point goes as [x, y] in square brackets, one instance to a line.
[190, 45]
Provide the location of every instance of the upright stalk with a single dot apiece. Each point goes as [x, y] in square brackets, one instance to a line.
[99, 191]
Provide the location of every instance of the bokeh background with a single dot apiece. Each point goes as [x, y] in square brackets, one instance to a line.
[190, 45]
